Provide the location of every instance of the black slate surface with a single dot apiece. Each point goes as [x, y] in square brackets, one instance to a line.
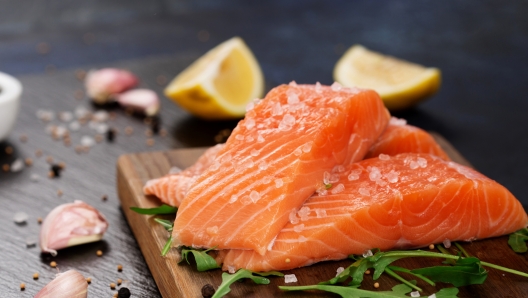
[480, 46]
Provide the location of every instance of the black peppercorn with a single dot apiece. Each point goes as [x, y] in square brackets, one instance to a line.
[56, 169]
[208, 291]
[110, 135]
[155, 125]
[123, 293]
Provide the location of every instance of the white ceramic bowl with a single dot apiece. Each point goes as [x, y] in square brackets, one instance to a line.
[10, 90]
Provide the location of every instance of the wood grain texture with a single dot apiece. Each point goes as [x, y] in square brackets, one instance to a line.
[182, 280]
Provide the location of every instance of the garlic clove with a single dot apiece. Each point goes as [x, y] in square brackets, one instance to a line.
[69, 284]
[143, 100]
[103, 84]
[71, 224]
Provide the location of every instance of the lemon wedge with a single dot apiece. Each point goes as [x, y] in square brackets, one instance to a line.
[401, 84]
[219, 84]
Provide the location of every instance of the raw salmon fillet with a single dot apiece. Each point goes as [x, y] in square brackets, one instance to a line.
[399, 137]
[273, 161]
[172, 188]
[405, 201]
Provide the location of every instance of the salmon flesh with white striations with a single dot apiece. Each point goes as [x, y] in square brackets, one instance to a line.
[273, 161]
[403, 201]
[399, 137]
[172, 188]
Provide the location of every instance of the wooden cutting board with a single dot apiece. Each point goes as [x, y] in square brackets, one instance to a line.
[182, 280]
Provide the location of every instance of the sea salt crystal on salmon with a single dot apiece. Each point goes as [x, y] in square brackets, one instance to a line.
[461, 204]
[339, 129]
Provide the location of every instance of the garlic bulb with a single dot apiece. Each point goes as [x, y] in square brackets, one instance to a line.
[103, 84]
[69, 284]
[71, 224]
[143, 100]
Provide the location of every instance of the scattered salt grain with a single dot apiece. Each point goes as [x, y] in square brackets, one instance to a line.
[339, 270]
[339, 188]
[336, 86]
[81, 112]
[322, 192]
[263, 166]
[250, 106]
[422, 162]
[174, 170]
[30, 242]
[239, 137]
[100, 116]
[298, 228]
[255, 152]
[101, 128]
[338, 169]
[20, 217]
[297, 152]
[279, 183]
[447, 243]
[74, 126]
[231, 269]
[326, 178]
[250, 123]
[260, 139]
[287, 122]
[266, 179]
[374, 174]
[66, 116]
[233, 199]
[293, 217]
[249, 139]
[364, 191]
[215, 166]
[290, 278]
[384, 157]
[254, 196]
[415, 294]
[303, 213]
[302, 239]
[318, 87]
[432, 296]
[320, 213]
[307, 147]
[34, 177]
[354, 175]
[397, 122]
[367, 253]
[17, 165]
[392, 176]
[45, 115]
[87, 141]
[413, 165]
[431, 179]
[293, 98]
[276, 110]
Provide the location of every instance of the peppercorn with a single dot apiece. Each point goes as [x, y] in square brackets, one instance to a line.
[208, 291]
[123, 293]
[110, 135]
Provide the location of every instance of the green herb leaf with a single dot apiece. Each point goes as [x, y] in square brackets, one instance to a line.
[465, 272]
[163, 209]
[400, 269]
[229, 279]
[328, 186]
[447, 293]
[517, 240]
[203, 260]
[166, 247]
[167, 224]
[398, 291]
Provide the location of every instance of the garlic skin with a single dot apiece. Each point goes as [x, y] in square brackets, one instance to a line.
[71, 224]
[143, 100]
[103, 84]
[69, 284]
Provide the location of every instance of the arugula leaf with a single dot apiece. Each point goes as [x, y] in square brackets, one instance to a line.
[397, 291]
[167, 224]
[203, 260]
[229, 279]
[465, 272]
[517, 240]
[400, 269]
[163, 209]
[344, 275]
[167, 246]
[447, 293]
